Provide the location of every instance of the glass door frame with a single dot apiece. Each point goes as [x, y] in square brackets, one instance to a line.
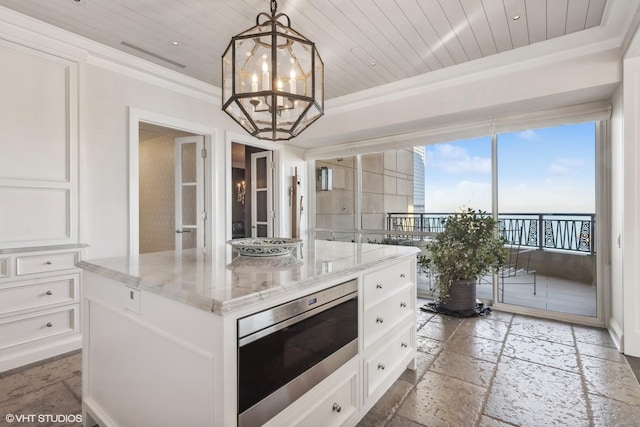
[602, 211]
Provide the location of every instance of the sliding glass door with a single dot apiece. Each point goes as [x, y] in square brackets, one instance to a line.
[547, 206]
[539, 183]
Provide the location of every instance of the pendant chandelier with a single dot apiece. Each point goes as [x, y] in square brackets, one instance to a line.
[272, 79]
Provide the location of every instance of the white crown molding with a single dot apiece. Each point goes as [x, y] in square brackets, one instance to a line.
[598, 110]
[19, 28]
[540, 54]
[615, 33]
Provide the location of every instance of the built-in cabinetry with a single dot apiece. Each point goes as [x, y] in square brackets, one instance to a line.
[387, 348]
[389, 326]
[39, 234]
[39, 303]
[183, 359]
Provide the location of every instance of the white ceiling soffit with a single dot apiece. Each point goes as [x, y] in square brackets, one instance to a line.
[364, 43]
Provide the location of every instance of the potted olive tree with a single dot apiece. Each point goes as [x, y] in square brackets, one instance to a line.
[466, 249]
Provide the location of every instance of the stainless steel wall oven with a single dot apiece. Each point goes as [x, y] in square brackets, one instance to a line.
[285, 351]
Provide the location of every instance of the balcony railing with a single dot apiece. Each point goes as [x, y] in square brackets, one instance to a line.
[544, 231]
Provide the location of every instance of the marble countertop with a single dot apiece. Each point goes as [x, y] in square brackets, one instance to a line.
[230, 282]
[43, 248]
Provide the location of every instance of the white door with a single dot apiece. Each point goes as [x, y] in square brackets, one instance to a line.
[261, 194]
[189, 192]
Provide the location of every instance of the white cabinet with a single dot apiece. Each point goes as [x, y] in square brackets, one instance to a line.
[133, 348]
[389, 327]
[39, 304]
[332, 403]
[39, 233]
[380, 365]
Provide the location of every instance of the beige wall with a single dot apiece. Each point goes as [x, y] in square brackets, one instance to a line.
[157, 216]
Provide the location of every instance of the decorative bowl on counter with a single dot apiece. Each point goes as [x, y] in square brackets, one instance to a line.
[264, 246]
[248, 264]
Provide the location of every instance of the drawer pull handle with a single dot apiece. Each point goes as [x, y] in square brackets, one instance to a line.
[379, 320]
[337, 407]
[403, 275]
[48, 263]
[49, 293]
[403, 304]
[381, 366]
[49, 324]
[403, 345]
[378, 286]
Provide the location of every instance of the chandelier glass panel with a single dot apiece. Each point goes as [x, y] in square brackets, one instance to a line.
[273, 79]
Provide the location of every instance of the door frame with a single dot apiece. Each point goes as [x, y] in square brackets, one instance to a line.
[601, 184]
[278, 178]
[268, 155]
[213, 179]
[179, 142]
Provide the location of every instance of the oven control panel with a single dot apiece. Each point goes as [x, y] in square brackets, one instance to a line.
[281, 313]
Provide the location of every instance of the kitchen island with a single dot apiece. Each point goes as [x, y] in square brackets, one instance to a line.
[160, 331]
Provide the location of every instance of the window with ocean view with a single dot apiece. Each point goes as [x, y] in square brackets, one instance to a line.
[539, 182]
[547, 205]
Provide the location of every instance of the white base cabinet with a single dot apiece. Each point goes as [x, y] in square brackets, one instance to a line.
[39, 304]
[152, 360]
[332, 403]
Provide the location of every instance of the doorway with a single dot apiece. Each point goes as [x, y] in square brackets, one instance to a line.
[252, 184]
[171, 189]
[547, 212]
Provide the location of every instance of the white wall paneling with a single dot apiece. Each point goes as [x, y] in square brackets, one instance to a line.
[39, 148]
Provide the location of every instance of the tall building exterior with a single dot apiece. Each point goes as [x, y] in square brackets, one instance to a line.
[418, 179]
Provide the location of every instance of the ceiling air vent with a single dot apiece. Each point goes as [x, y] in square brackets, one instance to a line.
[151, 54]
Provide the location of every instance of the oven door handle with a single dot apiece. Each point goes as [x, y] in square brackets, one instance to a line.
[293, 320]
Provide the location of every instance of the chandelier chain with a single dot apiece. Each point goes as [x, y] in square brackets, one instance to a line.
[274, 7]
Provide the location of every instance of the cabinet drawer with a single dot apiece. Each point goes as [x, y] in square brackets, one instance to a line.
[382, 364]
[44, 263]
[382, 317]
[378, 285]
[24, 329]
[338, 406]
[38, 294]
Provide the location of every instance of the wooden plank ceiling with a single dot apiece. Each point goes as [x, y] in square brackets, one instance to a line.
[363, 43]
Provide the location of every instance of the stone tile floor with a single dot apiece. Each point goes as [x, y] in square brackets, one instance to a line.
[506, 370]
[493, 371]
[52, 387]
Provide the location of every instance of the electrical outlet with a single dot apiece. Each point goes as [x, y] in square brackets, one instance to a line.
[132, 301]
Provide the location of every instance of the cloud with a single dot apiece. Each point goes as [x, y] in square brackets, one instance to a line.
[566, 166]
[454, 159]
[528, 135]
[474, 194]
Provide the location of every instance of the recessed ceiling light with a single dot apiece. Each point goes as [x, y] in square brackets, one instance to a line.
[175, 43]
[516, 17]
[373, 64]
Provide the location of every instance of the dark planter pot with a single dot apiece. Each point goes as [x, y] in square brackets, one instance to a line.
[462, 297]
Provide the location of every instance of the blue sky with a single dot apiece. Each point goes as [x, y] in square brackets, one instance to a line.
[548, 170]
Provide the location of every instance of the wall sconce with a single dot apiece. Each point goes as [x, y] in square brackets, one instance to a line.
[326, 179]
[242, 190]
